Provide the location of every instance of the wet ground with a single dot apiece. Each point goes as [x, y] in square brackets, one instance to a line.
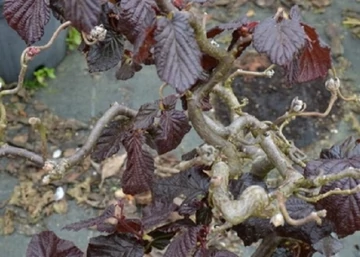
[76, 94]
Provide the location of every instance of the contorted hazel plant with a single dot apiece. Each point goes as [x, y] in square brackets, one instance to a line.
[223, 183]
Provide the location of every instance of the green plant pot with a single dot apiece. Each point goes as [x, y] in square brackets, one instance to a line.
[11, 47]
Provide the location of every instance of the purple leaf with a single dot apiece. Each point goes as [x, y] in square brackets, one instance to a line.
[144, 44]
[312, 62]
[177, 225]
[254, 229]
[192, 182]
[57, 7]
[213, 253]
[174, 125]
[184, 243]
[132, 226]
[295, 13]
[156, 213]
[127, 69]
[279, 38]
[350, 148]
[47, 244]
[146, 115]
[109, 143]
[28, 18]
[106, 54]
[342, 210]
[138, 175]
[135, 17]
[177, 54]
[190, 205]
[114, 245]
[160, 239]
[100, 220]
[204, 215]
[310, 232]
[169, 102]
[83, 14]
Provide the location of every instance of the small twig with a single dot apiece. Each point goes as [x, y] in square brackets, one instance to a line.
[3, 120]
[37, 124]
[207, 155]
[288, 116]
[325, 179]
[86, 40]
[297, 156]
[336, 191]
[161, 90]
[115, 110]
[348, 99]
[204, 20]
[183, 165]
[55, 35]
[314, 216]
[266, 73]
[28, 54]
[321, 114]
[218, 229]
[332, 85]
[6, 150]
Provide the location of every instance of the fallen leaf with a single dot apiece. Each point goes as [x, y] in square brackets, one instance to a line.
[320, 3]
[8, 225]
[111, 167]
[61, 206]
[80, 191]
[68, 152]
